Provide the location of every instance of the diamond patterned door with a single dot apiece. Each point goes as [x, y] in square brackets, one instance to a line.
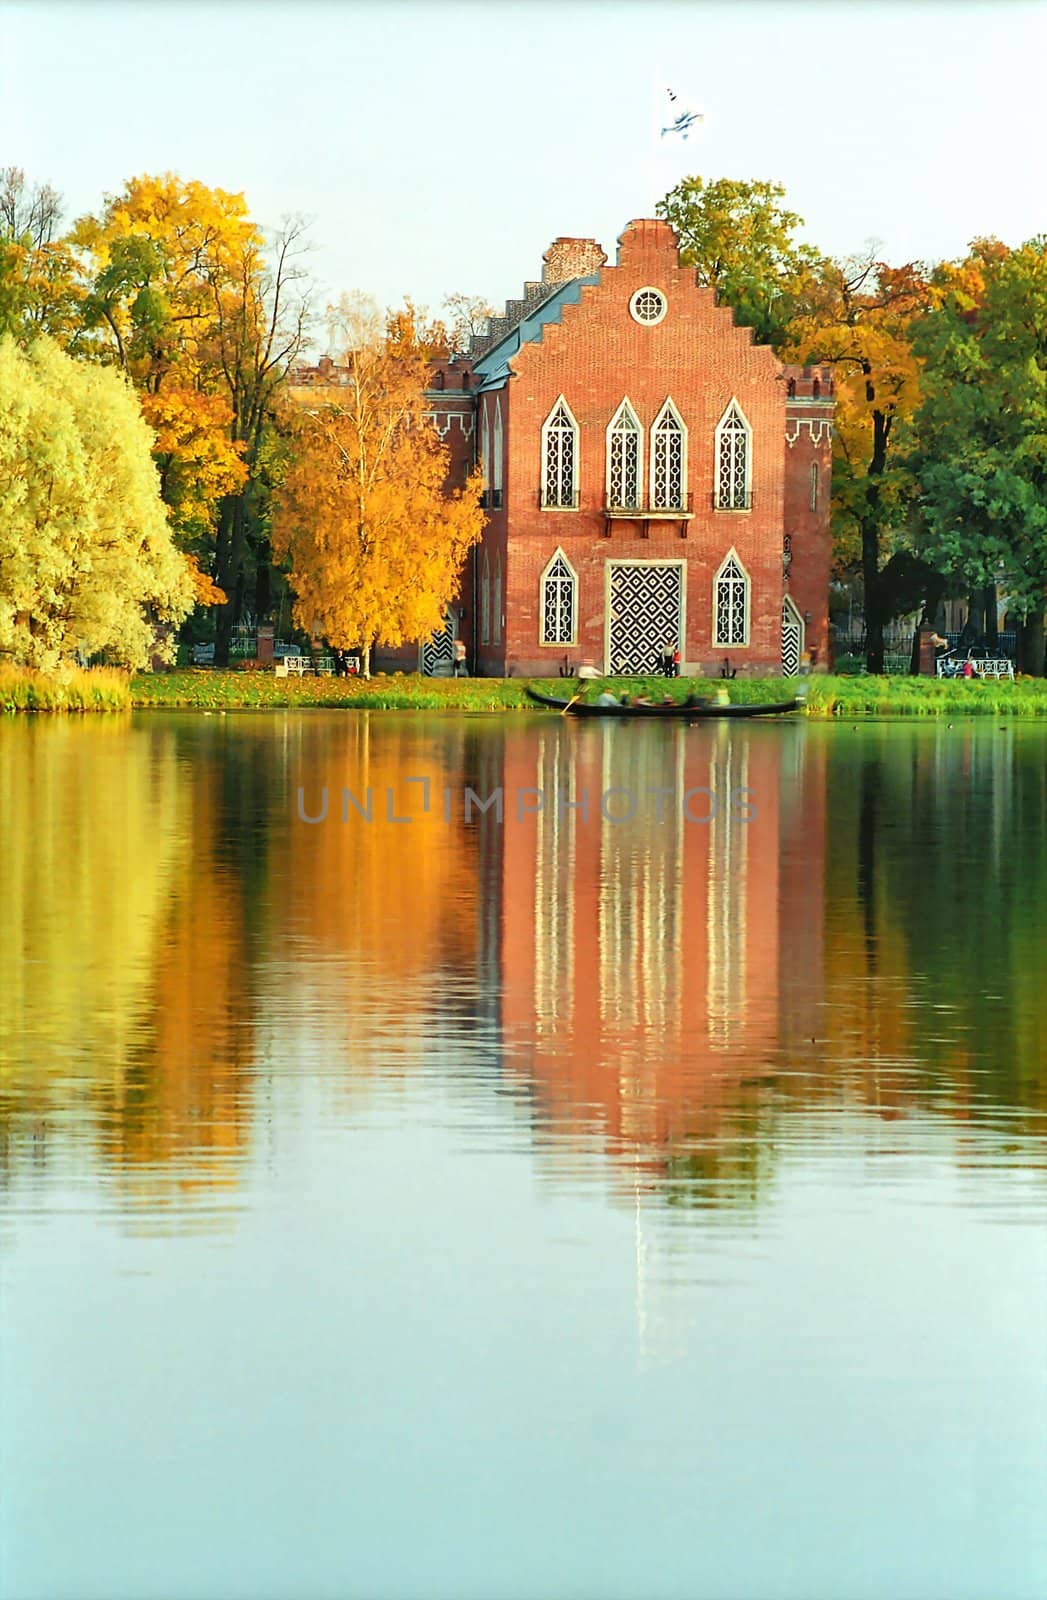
[646, 615]
[438, 652]
[792, 639]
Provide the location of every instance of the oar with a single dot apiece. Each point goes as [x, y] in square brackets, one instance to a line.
[571, 702]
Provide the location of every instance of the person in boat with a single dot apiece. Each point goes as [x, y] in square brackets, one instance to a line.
[607, 699]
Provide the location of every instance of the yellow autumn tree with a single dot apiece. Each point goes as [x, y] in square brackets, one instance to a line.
[40, 290]
[199, 464]
[375, 538]
[87, 564]
[205, 315]
[153, 258]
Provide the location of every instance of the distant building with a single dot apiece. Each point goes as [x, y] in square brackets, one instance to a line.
[655, 481]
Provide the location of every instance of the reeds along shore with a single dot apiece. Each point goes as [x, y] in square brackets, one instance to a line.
[67, 689]
[104, 689]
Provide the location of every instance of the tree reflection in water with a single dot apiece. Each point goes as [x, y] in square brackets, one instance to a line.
[671, 990]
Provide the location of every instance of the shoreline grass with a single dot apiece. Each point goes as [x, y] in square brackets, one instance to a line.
[208, 690]
[828, 696]
[67, 689]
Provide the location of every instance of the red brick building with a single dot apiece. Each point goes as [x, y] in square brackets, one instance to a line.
[654, 480]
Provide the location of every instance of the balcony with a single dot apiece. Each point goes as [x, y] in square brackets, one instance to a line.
[645, 513]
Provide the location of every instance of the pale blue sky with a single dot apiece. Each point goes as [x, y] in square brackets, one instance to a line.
[440, 147]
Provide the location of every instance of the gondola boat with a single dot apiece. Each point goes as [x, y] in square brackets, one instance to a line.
[692, 710]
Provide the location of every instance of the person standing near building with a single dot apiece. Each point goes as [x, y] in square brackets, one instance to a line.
[461, 670]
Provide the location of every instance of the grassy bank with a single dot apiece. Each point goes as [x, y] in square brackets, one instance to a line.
[926, 697]
[827, 696]
[208, 690]
[70, 689]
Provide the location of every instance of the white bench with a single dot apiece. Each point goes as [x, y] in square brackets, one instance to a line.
[999, 668]
[299, 666]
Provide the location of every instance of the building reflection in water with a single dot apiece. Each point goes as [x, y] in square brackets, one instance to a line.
[701, 932]
[649, 931]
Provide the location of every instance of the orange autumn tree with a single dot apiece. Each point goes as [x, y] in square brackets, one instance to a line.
[199, 465]
[205, 316]
[153, 259]
[861, 315]
[375, 538]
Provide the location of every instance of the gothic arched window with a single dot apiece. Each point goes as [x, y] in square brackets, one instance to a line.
[733, 461]
[624, 459]
[668, 460]
[558, 598]
[560, 458]
[485, 602]
[496, 463]
[731, 603]
[485, 449]
[496, 602]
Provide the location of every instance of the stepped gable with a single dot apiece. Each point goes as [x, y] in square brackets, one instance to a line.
[643, 234]
[565, 260]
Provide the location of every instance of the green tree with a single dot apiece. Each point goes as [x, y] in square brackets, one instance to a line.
[981, 457]
[87, 564]
[742, 243]
[860, 316]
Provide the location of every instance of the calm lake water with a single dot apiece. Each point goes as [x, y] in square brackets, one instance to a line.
[641, 1200]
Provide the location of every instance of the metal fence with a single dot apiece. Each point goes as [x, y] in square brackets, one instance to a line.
[897, 642]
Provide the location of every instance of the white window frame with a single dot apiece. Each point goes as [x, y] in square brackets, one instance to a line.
[721, 428]
[485, 448]
[496, 462]
[648, 322]
[558, 644]
[736, 644]
[669, 409]
[626, 407]
[547, 429]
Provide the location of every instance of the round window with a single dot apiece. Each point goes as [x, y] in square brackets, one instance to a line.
[648, 306]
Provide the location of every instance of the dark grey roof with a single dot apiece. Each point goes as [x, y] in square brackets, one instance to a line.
[493, 367]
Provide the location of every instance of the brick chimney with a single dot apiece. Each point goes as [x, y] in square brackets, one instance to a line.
[572, 258]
